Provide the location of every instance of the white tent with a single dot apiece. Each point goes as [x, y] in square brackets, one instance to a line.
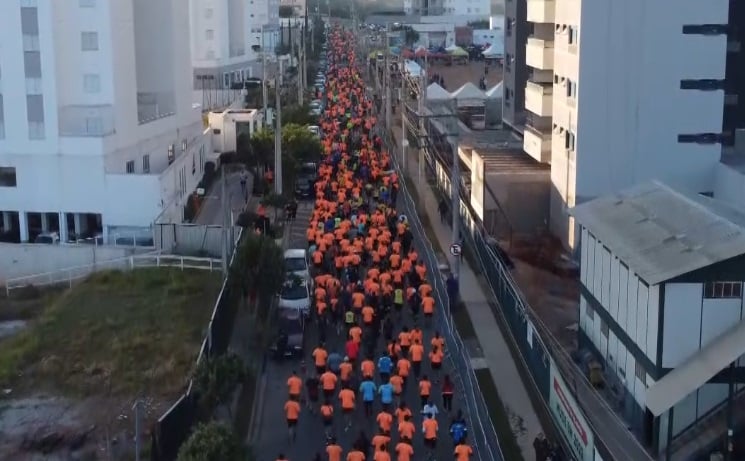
[495, 92]
[469, 95]
[452, 47]
[413, 69]
[493, 51]
[437, 93]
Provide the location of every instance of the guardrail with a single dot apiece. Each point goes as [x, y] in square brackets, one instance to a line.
[70, 275]
[482, 433]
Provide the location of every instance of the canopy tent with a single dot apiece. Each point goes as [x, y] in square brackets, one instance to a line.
[395, 50]
[493, 51]
[407, 53]
[458, 52]
[413, 69]
[421, 52]
[374, 54]
[451, 48]
[495, 92]
[469, 95]
[437, 93]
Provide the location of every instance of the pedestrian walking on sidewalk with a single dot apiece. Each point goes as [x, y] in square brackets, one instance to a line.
[442, 208]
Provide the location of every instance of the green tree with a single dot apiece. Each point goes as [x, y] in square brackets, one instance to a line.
[286, 11]
[277, 202]
[259, 269]
[261, 152]
[215, 380]
[212, 442]
[298, 146]
[410, 36]
[297, 115]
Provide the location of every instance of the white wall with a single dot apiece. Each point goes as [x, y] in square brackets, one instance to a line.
[632, 303]
[729, 185]
[20, 260]
[631, 109]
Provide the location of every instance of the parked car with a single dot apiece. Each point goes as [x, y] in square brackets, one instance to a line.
[290, 335]
[295, 296]
[47, 238]
[296, 263]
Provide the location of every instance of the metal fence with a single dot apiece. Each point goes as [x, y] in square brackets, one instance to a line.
[174, 426]
[71, 275]
[482, 434]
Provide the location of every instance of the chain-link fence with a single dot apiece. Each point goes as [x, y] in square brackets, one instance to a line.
[482, 434]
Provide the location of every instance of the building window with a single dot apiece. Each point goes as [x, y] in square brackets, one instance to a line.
[146, 163]
[171, 153]
[35, 116]
[569, 140]
[714, 290]
[89, 41]
[29, 21]
[705, 29]
[32, 64]
[226, 80]
[8, 176]
[590, 312]
[208, 13]
[641, 373]
[508, 27]
[707, 84]
[209, 34]
[604, 328]
[91, 83]
[571, 35]
[701, 138]
[87, 3]
[571, 88]
[130, 167]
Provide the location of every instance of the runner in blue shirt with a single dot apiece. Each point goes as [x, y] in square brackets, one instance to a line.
[386, 395]
[385, 366]
[367, 389]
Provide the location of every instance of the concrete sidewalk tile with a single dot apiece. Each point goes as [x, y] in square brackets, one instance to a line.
[497, 355]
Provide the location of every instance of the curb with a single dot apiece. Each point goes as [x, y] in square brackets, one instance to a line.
[258, 409]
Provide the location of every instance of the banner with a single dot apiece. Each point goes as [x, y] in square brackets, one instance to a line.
[569, 418]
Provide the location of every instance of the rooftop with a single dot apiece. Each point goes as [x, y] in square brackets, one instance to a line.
[661, 233]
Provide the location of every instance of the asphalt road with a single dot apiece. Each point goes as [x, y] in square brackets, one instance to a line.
[211, 213]
[272, 437]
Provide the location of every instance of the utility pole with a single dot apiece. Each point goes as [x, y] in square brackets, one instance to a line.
[404, 137]
[264, 92]
[224, 203]
[387, 79]
[278, 139]
[300, 70]
[420, 109]
[455, 193]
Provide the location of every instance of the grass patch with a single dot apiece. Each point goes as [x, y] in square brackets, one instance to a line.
[498, 414]
[117, 332]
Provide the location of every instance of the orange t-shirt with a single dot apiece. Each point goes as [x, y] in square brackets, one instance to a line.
[463, 452]
[327, 411]
[380, 440]
[428, 305]
[404, 451]
[406, 429]
[404, 338]
[334, 452]
[403, 367]
[435, 357]
[430, 428]
[382, 456]
[355, 456]
[367, 314]
[347, 399]
[292, 410]
[402, 414]
[328, 381]
[385, 420]
[356, 333]
[397, 383]
[368, 368]
[345, 370]
[320, 356]
[417, 352]
[425, 387]
[294, 385]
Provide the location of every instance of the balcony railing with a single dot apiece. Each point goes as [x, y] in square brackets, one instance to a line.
[154, 106]
[539, 53]
[86, 121]
[541, 11]
[537, 143]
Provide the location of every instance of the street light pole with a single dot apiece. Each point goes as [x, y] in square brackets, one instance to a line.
[387, 79]
[264, 92]
[455, 197]
[278, 139]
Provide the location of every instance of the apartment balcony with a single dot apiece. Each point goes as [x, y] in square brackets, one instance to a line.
[539, 53]
[539, 98]
[542, 11]
[537, 142]
[154, 106]
[86, 121]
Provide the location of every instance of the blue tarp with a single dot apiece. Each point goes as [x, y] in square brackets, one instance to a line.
[412, 68]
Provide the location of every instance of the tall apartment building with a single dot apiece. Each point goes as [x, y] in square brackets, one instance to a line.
[515, 73]
[475, 9]
[99, 133]
[624, 92]
[228, 37]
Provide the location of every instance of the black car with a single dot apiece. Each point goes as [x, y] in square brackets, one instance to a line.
[290, 336]
[304, 187]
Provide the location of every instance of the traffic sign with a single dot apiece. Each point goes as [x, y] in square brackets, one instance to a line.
[455, 249]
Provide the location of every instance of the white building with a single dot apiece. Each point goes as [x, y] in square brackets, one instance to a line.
[229, 124]
[628, 94]
[463, 10]
[298, 6]
[228, 37]
[661, 307]
[98, 128]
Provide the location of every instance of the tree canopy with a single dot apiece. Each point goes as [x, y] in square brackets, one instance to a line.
[216, 378]
[212, 442]
[259, 269]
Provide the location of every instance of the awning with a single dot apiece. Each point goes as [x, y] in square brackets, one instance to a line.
[696, 371]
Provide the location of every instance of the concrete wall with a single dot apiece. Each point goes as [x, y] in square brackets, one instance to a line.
[524, 198]
[190, 239]
[20, 260]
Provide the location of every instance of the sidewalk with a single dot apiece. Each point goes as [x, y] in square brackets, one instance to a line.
[497, 356]
[211, 212]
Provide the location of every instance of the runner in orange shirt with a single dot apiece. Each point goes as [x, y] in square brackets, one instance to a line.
[294, 386]
[292, 413]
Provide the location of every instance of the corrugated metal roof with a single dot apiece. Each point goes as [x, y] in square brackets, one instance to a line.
[661, 233]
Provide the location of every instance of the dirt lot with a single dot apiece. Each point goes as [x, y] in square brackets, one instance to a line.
[69, 379]
[456, 75]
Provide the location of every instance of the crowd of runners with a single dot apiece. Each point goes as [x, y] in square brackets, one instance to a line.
[371, 289]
